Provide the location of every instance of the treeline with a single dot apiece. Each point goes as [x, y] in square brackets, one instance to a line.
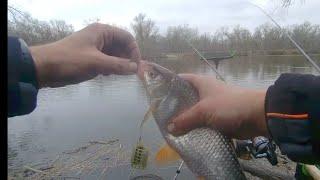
[265, 39]
[33, 31]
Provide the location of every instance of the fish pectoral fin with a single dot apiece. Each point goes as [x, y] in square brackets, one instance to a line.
[148, 114]
[166, 155]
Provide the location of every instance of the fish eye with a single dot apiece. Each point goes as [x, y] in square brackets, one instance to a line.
[152, 75]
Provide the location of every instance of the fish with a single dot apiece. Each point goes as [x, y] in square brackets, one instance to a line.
[206, 152]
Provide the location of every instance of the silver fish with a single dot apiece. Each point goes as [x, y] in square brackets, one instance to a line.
[207, 153]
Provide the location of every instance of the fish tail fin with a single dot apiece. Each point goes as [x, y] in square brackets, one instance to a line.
[166, 155]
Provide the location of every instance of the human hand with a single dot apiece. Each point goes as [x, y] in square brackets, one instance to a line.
[235, 111]
[96, 49]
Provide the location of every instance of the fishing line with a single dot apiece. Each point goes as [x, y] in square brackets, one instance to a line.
[220, 77]
[290, 38]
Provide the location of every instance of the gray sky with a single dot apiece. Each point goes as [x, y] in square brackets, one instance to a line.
[206, 15]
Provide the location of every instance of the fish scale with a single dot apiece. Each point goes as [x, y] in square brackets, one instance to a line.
[206, 152]
[214, 163]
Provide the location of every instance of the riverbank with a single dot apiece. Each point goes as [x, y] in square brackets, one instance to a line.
[280, 53]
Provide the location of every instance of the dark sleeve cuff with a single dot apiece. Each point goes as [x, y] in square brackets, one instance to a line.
[22, 82]
[292, 112]
[27, 70]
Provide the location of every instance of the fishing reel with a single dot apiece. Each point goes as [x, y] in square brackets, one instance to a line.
[259, 147]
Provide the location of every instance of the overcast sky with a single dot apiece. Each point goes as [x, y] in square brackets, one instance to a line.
[206, 15]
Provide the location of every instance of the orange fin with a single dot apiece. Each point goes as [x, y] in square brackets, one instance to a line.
[201, 178]
[166, 155]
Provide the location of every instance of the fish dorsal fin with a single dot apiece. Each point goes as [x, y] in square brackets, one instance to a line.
[166, 155]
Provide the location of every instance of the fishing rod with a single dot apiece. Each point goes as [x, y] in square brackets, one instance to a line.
[205, 60]
[290, 38]
[178, 170]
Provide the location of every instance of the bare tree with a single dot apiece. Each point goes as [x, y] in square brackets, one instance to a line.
[146, 33]
[265, 38]
[33, 31]
[288, 3]
[177, 37]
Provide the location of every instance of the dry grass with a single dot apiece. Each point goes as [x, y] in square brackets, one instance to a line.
[91, 160]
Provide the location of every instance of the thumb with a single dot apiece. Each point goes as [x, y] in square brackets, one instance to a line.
[187, 121]
[116, 65]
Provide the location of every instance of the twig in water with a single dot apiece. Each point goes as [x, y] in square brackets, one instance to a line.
[34, 170]
[104, 142]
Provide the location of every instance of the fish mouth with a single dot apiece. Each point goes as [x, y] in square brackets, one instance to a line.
[141, 70]
[143, 67]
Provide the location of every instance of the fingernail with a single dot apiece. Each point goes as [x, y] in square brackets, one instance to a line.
[171, 127]
[133, 66]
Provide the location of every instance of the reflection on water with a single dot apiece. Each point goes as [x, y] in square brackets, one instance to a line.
[113, 106]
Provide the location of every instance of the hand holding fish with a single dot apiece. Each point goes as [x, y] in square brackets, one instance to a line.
[206, 152]
[235, 111]
[96, 49]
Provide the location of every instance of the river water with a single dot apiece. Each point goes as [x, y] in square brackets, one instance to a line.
[113, 106]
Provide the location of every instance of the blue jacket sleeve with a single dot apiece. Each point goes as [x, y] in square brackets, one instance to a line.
[22, 82]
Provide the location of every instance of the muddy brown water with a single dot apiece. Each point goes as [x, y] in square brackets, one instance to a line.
[113, 106]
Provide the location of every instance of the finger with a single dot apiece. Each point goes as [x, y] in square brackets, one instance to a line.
[114, 37]
[187, 121]
[204, 84]
[195, 80]
[131, 51]
[124, 38]
[134, 51]
[116, 65]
